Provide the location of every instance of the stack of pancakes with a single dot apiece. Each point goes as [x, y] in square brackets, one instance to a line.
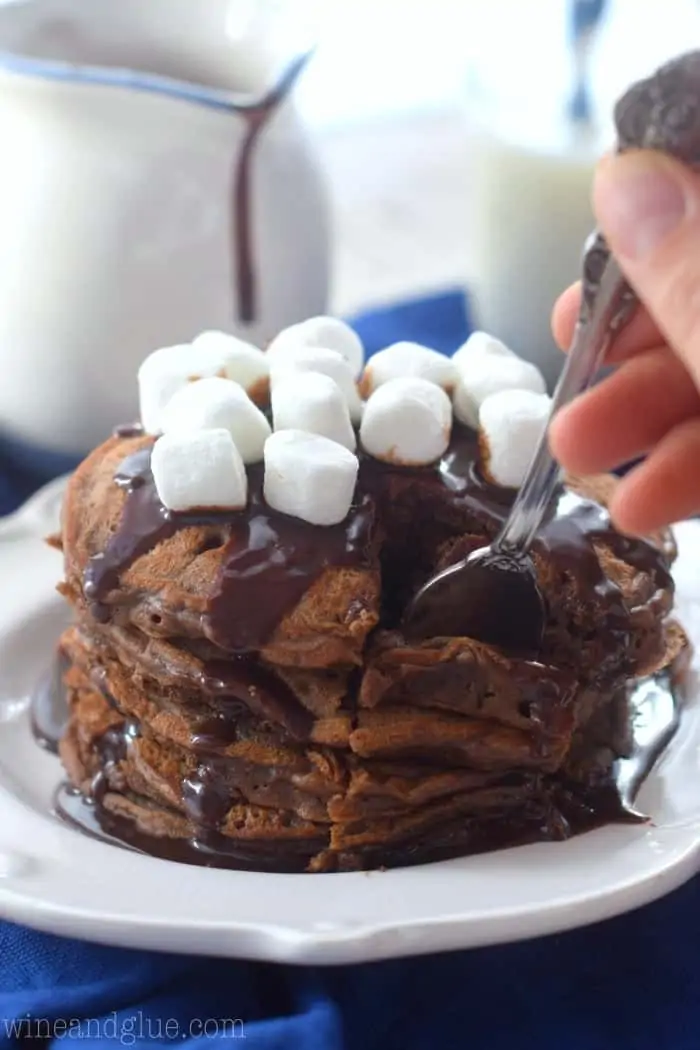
[241, 691]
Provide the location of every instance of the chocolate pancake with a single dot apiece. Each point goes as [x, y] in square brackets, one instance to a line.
[240, 692]
[308, 596]
[308, 807]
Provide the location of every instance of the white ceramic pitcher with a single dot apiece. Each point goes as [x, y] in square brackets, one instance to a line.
[154, 181]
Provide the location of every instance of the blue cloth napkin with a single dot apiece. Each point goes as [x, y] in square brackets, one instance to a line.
[629, 984]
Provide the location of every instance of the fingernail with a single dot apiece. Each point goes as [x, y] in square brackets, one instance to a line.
[639, 200]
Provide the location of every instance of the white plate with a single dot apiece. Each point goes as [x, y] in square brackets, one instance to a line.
[54, 878]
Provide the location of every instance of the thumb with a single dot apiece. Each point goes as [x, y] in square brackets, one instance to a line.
[648, 206]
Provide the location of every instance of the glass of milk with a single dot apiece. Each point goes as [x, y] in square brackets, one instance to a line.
[531, 163]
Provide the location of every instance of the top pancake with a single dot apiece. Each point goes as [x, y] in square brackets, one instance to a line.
[609, 620]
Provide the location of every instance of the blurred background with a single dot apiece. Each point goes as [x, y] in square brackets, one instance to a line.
[147, 193]
[441, 120]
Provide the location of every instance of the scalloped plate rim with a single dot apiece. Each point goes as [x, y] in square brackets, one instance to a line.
[60, 881]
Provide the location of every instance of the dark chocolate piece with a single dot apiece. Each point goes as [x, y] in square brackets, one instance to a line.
[663, 111]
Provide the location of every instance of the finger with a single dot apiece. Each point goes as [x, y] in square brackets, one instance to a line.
[640, 334]
[626, 414]
[665, 488]
[648, 206]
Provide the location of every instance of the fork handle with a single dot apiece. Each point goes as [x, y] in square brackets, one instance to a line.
[602, 315]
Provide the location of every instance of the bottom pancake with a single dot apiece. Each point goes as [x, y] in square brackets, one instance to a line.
[320, 810]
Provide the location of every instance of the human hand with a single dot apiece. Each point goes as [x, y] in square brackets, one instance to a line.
[648, 207]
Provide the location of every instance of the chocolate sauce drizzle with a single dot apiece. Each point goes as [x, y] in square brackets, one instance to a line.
[145, 523]
[206, 792]
[245, 684]
[209, 849]
[256, 117]
[268, 562]
[112, 748]
[654, 703]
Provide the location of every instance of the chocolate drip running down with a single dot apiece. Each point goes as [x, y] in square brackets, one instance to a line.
[145, 522]
[256, 117]
[244, 683]
[210, 849]
[654, 706]
[268, 563]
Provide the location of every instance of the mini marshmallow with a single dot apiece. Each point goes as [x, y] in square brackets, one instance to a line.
[511, 424]
[477, 344]
[215, 403]
[327, 362]
[309, 477]
[245, 364]
[407, 421]
[324, 333]
[167, 370]
[404, 360]
[314, 403]
[199, 469]
[489, 374]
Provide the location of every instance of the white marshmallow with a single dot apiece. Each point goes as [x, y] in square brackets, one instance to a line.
[245, 363]
[199, 469]
[403, 360]
[407, 421]
[511, 424]
[314, 403]
[488, 375]
[327, 362]
[215, 403]
[480, 343]
[167, 370]
[325, 333]
[309, 476]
